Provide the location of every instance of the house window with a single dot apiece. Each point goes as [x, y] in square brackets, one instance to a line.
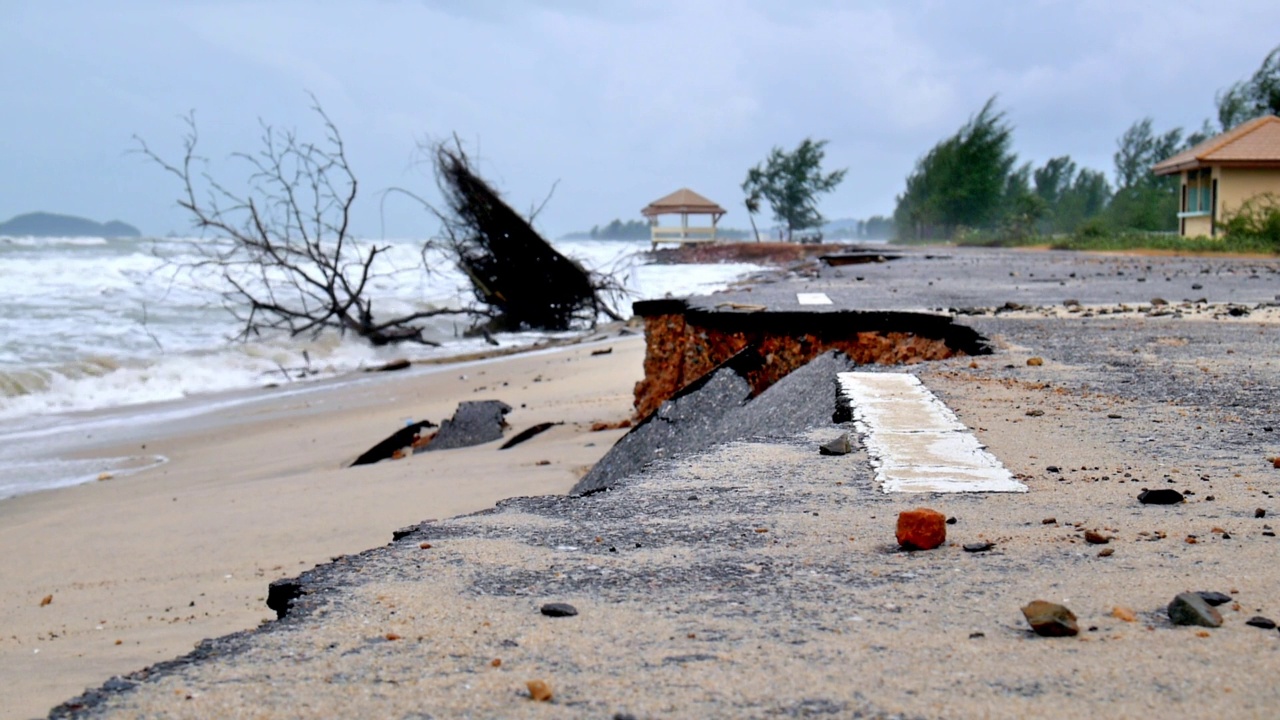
[1197, 195]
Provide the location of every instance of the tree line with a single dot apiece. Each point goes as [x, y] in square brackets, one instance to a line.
[971, 183]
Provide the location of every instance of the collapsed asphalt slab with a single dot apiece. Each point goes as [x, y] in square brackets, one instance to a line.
[719, 409]
[759, 578]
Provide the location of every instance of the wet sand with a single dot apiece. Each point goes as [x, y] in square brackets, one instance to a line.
[141, 567]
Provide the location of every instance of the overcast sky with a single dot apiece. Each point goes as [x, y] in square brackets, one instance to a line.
[621, 102]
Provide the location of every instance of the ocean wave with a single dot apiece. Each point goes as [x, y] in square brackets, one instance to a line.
[42, 242]
[87, 323]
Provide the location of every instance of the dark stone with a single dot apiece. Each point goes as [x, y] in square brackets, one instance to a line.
[838, 446]
[397, 440]
[1190, 609]
[1260, 513]
[1093, 537]
[976, 547]
[1261, 622]
[1050, 619]
[559, 609]
[1053, 469]
[1214, 598]
[474, 422]
[281, 594]
[1160, 496]
[527, 433]
[952, 520]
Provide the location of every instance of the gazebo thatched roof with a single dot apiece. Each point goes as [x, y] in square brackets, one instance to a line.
[682, 202]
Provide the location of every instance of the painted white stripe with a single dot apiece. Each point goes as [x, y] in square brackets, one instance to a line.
[813, 299]
[915, 442]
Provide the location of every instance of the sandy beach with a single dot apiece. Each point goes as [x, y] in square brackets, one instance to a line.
[141, 567]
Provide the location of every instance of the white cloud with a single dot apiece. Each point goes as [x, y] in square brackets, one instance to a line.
[620, 101]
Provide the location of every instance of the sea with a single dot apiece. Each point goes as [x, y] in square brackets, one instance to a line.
[98, 334]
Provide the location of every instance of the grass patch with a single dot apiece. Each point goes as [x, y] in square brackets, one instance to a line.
[1111, 242]
[1119, 242]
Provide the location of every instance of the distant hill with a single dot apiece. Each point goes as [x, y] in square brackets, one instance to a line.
[42, 224]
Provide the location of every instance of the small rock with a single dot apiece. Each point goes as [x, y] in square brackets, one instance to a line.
[1261, 622]
[838, 446]
[1214, 598]
[1160, 496]
[559, 609]
[1049, 521]
[104, 476]
[1053, 469]
[1191, 609]
[1106, 552]
[1114, 416]
[977, 635]
[1050, 619]
[1094, 537]
[1158, 301]
[1260, 513]
[539, 690]
[1035, 413]
[952, 520]
[1197, 286]
[921, 529]
[1121, 612]
[1035, 361]
[46, 600]
[976, 547]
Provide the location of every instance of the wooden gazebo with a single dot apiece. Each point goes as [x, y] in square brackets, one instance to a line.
[683, 202]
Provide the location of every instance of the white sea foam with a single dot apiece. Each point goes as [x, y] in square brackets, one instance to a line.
[90, 323]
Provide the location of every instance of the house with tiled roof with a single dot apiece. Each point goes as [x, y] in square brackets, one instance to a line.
[1221, 173]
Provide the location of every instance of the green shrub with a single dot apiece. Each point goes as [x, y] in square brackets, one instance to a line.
[1258, 218]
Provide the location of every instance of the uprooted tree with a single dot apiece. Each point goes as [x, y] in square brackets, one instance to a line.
[514, 272]
[282, 255]
[283, 258]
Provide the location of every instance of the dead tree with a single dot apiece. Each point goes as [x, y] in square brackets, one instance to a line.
[525, 283]
[282, 254]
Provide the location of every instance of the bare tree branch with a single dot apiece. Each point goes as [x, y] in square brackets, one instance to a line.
[282, 250]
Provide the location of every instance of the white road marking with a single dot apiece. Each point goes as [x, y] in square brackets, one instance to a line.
[813, 299]
[915, 442]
